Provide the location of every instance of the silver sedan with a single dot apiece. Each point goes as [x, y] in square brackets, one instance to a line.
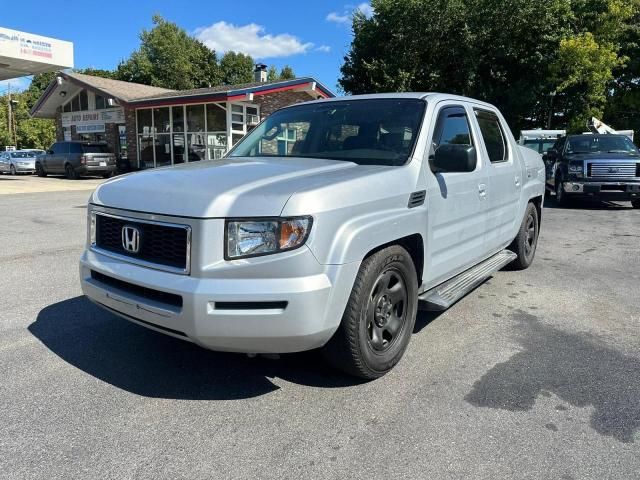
[18, 161]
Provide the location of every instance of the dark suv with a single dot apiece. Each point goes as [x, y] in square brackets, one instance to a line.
[600, 166]
[74, 159]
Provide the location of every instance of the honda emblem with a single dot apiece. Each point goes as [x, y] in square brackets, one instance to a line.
[131, 239]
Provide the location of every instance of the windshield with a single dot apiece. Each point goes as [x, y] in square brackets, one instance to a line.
[366, 132]
[95, 148]
[601, 144]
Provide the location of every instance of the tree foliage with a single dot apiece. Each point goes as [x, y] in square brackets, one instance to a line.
[169, 57]
[236, 68]
[528, 58]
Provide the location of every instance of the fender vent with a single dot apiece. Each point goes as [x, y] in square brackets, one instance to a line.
[417, 198]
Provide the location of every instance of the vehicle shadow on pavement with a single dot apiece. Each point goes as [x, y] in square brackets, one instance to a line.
[578, 368]
[586, 204]
[151, 364]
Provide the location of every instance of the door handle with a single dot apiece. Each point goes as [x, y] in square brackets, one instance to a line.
[517, 181]
[482, 190]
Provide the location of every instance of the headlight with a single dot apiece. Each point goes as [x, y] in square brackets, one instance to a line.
[255, 237]
[575, 168]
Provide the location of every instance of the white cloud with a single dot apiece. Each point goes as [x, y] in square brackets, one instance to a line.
[323, 48]
[347, 14]
[366, 9]
[250, 39]
[338, 18]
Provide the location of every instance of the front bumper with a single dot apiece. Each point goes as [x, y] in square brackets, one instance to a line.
[25, 168]
[612, 190]
[254, 315]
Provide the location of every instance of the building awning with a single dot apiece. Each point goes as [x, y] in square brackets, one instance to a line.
[24, 54]
[245, 91]
[135, 95]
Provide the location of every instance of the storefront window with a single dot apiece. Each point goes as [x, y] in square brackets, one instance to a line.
[100, 102]
[216, 118]
[217, 145]
[161, 120]
[179, 153]
[195, 118]
[162, 150]
[84, 100]
[145, 138]
[144, 121]
[178, 118]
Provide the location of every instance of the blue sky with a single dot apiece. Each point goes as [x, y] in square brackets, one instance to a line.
[312, 37]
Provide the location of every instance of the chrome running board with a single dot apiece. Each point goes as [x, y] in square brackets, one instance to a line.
[447, 293]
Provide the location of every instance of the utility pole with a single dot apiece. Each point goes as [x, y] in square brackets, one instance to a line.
[10, 113]
[13, 131]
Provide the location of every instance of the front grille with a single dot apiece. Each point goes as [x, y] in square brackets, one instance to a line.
[144, 292]
[613, 170]
[160, 244]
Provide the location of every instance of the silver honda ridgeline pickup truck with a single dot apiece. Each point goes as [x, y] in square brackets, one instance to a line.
[326, 227]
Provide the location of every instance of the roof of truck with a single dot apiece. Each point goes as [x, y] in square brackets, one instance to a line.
[430, 96]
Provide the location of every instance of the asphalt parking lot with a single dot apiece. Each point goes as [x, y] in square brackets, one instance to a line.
[534, 374]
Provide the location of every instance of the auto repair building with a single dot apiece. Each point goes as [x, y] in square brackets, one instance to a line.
[153, 127]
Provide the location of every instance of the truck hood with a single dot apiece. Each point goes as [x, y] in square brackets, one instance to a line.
[238, 187]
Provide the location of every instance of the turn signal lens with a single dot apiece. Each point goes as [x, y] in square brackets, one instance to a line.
[293, 232]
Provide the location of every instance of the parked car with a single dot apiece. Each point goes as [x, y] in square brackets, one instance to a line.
[602, 166]
[75, 159]
[323, 228]
[17, 161]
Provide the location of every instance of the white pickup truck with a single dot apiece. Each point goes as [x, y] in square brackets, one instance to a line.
[325, 227]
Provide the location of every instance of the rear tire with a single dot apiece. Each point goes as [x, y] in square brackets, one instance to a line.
[379, 317]
[70, 172]
[40, 171]
[525, 243]
[107, 175]
[635, 203]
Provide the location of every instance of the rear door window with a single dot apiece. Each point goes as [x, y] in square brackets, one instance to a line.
[492, 135]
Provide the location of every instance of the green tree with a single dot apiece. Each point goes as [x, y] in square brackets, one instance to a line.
[514, 54]
[236, 68]
[97, 72]
[169, 57]
[272, 74]
[286, 73]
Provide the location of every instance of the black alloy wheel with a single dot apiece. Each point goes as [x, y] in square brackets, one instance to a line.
[386, 310]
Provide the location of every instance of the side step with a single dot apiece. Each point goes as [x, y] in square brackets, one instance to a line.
[446, 294]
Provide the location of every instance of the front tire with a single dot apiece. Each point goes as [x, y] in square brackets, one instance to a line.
[12, 170]
[561, 196]
[525, 243]
[379, 317]
[635, 203]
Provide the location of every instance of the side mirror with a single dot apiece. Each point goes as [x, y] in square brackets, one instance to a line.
[49, 152]
[454, 158]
